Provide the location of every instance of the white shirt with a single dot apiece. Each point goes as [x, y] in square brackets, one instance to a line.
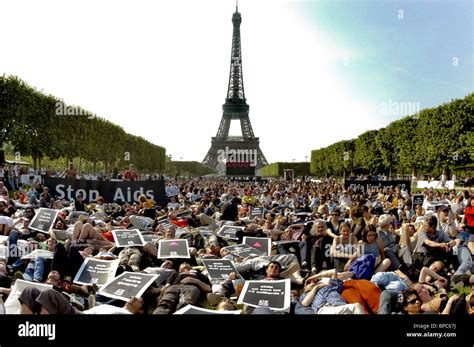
[6, 220]
[345, 200]
[107, 309]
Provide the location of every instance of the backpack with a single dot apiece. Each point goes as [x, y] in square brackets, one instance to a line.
[363, 267]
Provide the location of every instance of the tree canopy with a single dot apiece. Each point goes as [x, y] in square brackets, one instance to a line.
[432, 141]
[41, 125]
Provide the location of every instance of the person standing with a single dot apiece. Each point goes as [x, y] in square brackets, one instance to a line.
[230, 210]
[3, 192]
[131, 174]
[71, 172]
[46, 200]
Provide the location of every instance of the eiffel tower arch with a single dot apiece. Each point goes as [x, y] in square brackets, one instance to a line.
[236, 155]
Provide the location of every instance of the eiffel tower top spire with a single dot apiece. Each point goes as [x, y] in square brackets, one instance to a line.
[235, 91]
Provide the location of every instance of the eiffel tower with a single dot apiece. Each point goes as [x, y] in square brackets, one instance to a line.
[242, 153]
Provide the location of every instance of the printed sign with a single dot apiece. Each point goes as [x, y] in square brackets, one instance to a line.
[152, 238]
[366, 186]
[229, 232]
[418, 199]
[190, 309]
[176, 248]
[126, 285]
[142, 223]
[96, 271]
[274, 295]
[256, 212]
[440, 204]
[244, 250]
[39, 253]
[163, 274]
[263, 244]
[128, 237]
[205, 232]
[172, 191]
[166, 223]
[181, 231]
[435, 184]
[12, 305]
[219, 269]
[43, 220]
[112, 191]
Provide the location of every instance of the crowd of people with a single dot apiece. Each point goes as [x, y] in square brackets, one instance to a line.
[345, 251]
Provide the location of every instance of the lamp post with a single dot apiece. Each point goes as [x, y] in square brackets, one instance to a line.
[346, 158]
[455, 160]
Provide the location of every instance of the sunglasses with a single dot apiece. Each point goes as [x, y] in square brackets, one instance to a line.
[413, 301]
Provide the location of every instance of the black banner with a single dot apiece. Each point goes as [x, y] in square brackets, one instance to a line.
[239, 169]
[96, 271]
[43, 220]
[111, 191]
[403, 330]
[365, 186]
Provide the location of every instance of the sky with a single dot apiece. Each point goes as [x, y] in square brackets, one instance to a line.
[315, 72]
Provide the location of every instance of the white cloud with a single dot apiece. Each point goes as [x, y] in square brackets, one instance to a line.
[160, 69]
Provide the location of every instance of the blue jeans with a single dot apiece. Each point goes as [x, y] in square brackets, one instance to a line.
[465, 260]
[35, 270]
[390, 254]
[388, 299]
[300, 309]
[14, 258]
[12, 182]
